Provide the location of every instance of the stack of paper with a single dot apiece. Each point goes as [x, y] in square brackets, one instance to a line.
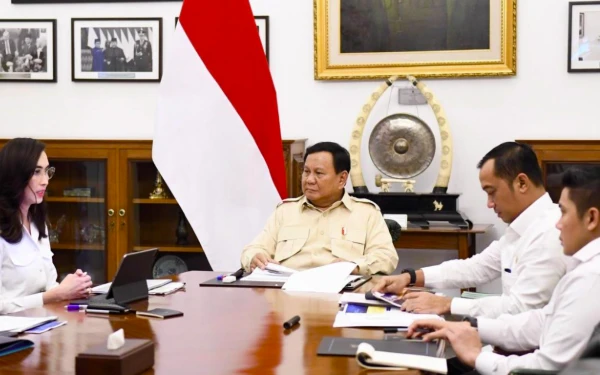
[272, 273]
[152, 284]
[21, 323]
[277, 273]
[360, 315]
[330, 278]
[167, 289]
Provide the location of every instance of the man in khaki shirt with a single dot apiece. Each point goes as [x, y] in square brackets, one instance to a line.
[325, 225]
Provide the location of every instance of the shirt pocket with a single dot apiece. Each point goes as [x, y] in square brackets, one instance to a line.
[349, 246]
[21, 256]
[290, 241]
[508, 280]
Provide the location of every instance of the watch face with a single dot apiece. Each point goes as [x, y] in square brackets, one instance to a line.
[472, 321]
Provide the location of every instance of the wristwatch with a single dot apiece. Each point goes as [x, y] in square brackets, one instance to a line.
[413, 275]
[472, 321]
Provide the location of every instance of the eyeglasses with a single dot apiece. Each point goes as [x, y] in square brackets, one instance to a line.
[48, 171]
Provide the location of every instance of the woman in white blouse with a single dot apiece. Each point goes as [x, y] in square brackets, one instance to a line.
[27, 275]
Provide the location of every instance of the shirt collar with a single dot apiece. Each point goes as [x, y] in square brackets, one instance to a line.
[34, 235]
[346, 201]
[588, 252]
[527, 217]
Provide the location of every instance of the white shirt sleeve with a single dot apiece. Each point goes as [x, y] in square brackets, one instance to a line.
[464, 273]
[563, 327]
[519, 332]
[538, 271]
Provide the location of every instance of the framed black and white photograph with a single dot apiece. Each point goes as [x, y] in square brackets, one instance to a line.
[262, 27]
[116, 49]
[584, 37]
[28, 50]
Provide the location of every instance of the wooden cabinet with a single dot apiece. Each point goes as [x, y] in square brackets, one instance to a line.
[555, 156]
[100, 208]
[293, 156]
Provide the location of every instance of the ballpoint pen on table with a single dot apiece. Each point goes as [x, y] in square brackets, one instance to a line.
[405, 329]
[95, 311]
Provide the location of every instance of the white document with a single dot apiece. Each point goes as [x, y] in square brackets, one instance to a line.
[279, 274]
[377, 316]
[330, 278]
[272, 273]
[21, 323]
[359, 298]
[280, 270]
[167, 289]
[152, 284]
[264, 275]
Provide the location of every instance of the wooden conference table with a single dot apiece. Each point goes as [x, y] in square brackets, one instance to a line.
[223, 331]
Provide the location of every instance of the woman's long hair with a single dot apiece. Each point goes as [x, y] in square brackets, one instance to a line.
[18, 161]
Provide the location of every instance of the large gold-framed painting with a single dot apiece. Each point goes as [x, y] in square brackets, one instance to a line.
[370, 39]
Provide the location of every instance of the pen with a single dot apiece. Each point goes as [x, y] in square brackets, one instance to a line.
[94, 311]
[97, 311]
[394, 330]
[404, 329]
[75, 307]
[292, 322]
[238, 274]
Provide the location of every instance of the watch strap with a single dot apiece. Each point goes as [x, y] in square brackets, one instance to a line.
[413, 275]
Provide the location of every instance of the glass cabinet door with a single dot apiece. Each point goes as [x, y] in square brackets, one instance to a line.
[156, 220]
[77, 198]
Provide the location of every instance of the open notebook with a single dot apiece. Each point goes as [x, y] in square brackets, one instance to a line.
[368, 357]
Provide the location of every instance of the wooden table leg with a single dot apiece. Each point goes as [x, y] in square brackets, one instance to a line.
[466, 249]
[463, 246]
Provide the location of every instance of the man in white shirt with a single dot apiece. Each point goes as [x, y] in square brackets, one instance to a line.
[562, 328]
[528, 257]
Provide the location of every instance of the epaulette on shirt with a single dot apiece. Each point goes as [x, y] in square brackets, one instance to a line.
[288, 200]
[364, 200]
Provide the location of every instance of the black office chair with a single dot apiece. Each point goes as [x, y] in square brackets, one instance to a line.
[394, 229]
[587, 364]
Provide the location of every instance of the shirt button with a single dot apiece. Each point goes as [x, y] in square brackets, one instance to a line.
[322, 233]
[325, 214]
[40, 270]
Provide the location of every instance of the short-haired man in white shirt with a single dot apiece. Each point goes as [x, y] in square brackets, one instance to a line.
[528, 257]
[562, 328]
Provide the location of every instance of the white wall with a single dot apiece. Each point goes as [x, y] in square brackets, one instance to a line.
[542, 101]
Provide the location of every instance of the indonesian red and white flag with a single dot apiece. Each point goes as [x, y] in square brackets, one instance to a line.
[217, 141]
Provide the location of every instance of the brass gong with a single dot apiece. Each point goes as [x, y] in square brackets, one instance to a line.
[402, 146]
